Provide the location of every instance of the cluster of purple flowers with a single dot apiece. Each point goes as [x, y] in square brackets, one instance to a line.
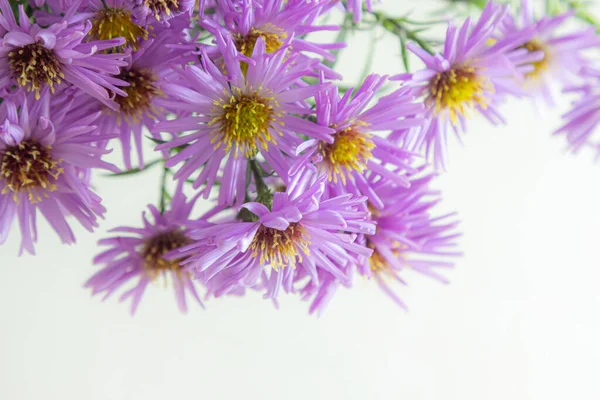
[309, 185]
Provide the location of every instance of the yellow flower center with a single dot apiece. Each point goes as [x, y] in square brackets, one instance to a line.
[272, 36]
[459, 90]
[280, 249]
[29, 167]
[110, 23]
[538, 66]
[162, 6]
[350, 151]
[378, 263]
[34, 66]
[245, 121]
[157, 246]
[141, 91]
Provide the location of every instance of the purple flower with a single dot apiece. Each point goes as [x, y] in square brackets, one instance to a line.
[237, 116]
[469, 76]
[109, 19]
[300, 233]
[563, 53]
[355, 146]
[138, 254]
[279, 23]
[407, 237]
[147, 71]
[36, 58]
[581, 122]
[47, 149]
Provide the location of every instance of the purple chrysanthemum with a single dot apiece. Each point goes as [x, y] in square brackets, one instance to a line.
[138, 255]
[279, 23]
[36, 58]
[300, 232]
[356, 148]
[563, 52]
[47, 149]
[237, 116]
[147, 70]
[407, 237]
[471, 75]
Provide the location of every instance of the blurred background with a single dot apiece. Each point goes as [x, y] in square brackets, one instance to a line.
[519, 319]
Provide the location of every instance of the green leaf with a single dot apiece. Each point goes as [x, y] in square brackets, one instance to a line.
[404, 52]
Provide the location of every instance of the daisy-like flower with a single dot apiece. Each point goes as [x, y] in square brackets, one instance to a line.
[46, 152]
[562, 53]
[581, 122]
[139, 254]
[147, 71]
[356, 147]
[471, 75]
[408, 237]
[300, 231]
[109, 19]
[236, 117]
[34, 58]
[279, 23]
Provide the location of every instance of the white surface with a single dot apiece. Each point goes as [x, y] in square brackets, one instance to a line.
[520, 319]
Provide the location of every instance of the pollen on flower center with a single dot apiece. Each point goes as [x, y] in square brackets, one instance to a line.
[272, 36]
[162, 6]
[157, 246]
[538, 66]
[245, 121]
[350, 151]
[110, 23]
[29, 167]
[141, 91]
[378, 263]
[245, 44]
[280, 249]
[458, 90]
[34, 66]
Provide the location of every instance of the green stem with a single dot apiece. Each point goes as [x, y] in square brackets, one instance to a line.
[396, 26]
[163, 190]
[261, 187]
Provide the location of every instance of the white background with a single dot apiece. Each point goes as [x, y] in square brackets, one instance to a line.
[520, 319]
